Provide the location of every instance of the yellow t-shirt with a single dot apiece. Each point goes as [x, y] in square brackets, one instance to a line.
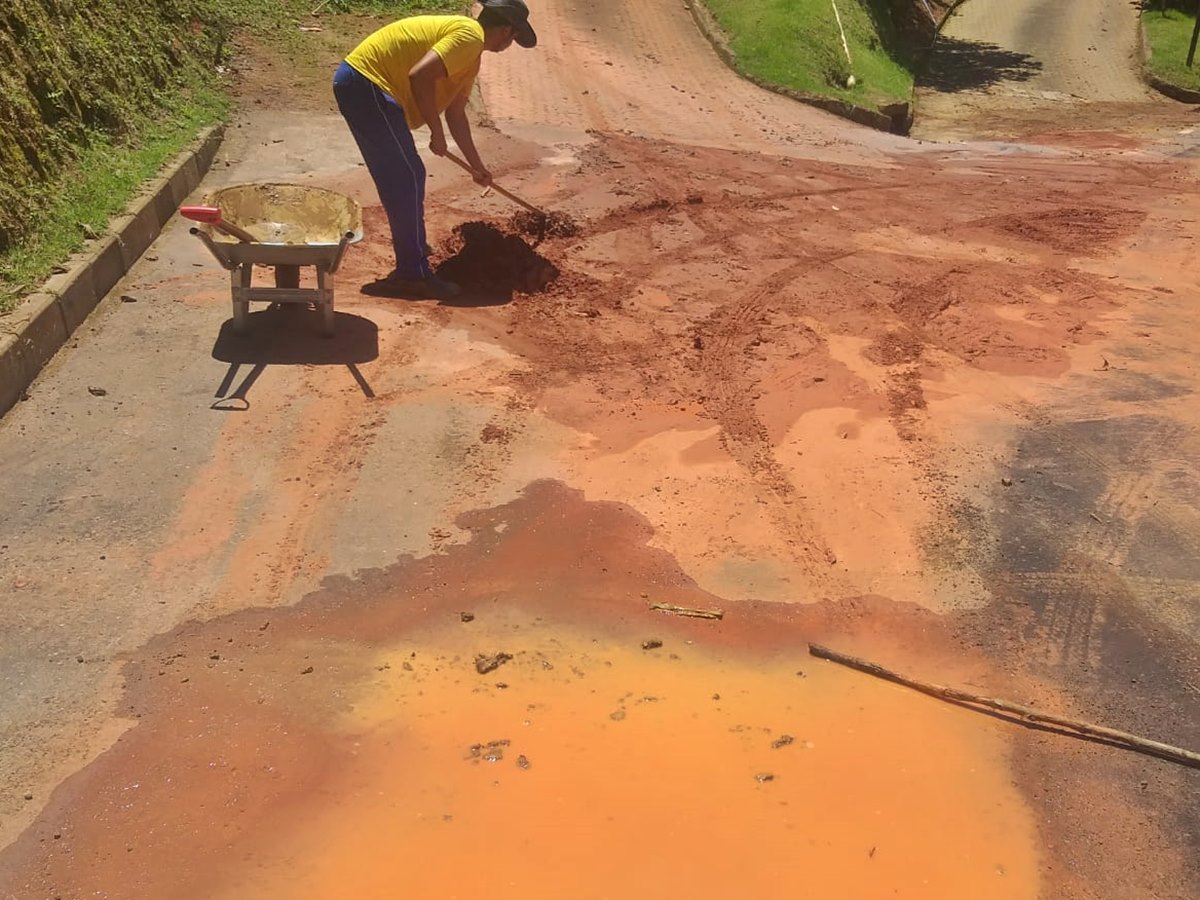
[387, 56]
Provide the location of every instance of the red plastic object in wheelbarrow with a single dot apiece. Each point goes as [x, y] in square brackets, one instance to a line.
[210, 215]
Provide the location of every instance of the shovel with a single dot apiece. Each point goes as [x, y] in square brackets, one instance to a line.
[210, 215]
[499, 190]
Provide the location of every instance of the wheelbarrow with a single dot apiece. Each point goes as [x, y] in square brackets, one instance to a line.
[286, 226]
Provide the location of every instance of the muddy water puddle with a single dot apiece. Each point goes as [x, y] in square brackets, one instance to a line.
[588, 767]
[375, 742]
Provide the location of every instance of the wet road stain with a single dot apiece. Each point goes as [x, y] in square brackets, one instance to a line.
[350, 746]
[1091, 556]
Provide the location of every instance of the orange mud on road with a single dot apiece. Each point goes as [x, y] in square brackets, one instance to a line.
[931, 404]
[350, 746]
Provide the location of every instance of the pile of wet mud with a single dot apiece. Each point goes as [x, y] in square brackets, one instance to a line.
[544, 225]
[491, 259]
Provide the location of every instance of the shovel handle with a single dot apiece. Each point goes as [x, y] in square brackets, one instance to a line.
[495, 187]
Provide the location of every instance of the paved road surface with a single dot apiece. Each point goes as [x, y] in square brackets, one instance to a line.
[931, 404]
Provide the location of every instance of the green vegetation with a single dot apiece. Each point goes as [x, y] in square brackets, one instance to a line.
[96, 95]
[796, 44]
[1169, 32]
[97, 185]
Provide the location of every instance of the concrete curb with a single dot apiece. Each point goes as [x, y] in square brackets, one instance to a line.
[32, 333]
[898, 122]
[1174, 91]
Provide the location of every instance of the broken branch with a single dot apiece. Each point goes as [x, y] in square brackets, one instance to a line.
[1111, 735]
[689, 611]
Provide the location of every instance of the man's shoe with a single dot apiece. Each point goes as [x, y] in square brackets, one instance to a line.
[432, 288]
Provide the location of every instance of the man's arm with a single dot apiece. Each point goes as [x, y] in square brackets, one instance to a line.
[422, 78]
[460, 128]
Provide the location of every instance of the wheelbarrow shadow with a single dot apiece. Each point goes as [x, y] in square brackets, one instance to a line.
[290, 336]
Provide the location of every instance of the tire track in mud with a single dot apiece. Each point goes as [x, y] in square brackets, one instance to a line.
[724, 334]
[722, 340]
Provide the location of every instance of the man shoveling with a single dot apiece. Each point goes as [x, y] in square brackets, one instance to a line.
[406, 75]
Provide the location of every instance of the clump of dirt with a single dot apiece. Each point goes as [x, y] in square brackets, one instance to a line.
[906, 397]
[489, 258]
[651, 205]
[919, 304]
[895, 348]
[1072, 229]
[494, 434]
[542, 226]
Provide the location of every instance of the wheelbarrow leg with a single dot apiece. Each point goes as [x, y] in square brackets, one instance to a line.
[241, 278]
[287, 276]
[325, 303]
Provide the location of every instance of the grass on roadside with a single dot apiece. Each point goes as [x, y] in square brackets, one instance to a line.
[1169, 32]
[796, 44]
[99, 185]
[107, 173]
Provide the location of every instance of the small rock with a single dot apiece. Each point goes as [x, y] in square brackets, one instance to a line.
[782, 741]
[652, 644]
[764, 777]
[97, 391]
[492, 751]
[467, 617]
[307, 670]
[617, 716]
[694, 199]
[522, 762]
[29, 796]
[128, 298]
[1007, 482]
[716, 696]
[485, 663]
[79, 659]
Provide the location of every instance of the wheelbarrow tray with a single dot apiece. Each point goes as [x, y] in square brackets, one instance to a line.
[296, 225]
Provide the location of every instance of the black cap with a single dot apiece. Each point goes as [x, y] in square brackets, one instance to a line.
[516, 14]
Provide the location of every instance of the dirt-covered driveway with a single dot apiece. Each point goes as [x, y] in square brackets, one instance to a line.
[381, 616]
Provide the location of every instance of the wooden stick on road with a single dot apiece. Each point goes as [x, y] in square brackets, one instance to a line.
[689, 611]
[1120, 738]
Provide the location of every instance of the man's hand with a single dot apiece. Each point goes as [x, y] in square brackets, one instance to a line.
[437, 143]
[482, 177]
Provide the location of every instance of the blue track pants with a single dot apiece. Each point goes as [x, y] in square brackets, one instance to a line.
[386, 142]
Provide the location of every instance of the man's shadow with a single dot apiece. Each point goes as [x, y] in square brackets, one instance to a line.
[289, 335]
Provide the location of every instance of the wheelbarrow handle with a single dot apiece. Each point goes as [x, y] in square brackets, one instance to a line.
[495, 187]
[210, 215]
